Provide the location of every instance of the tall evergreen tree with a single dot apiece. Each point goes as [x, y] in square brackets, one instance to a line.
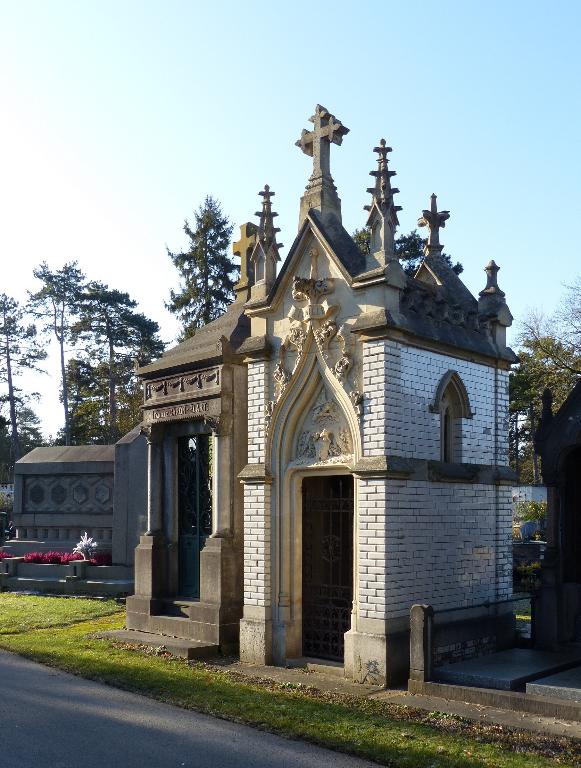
[19, 351]
[57, 303]
[207, 273]
[115, 336]
[29, 436]
[408, 248]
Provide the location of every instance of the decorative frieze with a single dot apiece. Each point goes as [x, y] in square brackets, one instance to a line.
[175, 387]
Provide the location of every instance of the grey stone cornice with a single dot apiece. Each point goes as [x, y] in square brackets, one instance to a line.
[255, 474]
[384, 466]
[376, 320]
[255, 347]
[399, 467]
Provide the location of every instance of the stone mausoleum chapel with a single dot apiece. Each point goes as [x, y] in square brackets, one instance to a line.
[333, 449]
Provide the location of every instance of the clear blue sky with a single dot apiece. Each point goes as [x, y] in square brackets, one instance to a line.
[119, 117]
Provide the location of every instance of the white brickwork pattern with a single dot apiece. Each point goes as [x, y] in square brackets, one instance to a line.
[418, 435]
[257, 386]
[257, 589]
[373, 584]
[446, 544]
[400, 384]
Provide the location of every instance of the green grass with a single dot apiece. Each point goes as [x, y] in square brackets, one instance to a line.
[391, 735]
[22, 613]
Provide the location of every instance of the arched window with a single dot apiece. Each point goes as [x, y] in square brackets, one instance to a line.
[452, 403]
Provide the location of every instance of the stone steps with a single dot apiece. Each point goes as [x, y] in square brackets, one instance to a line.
[177, 646]
[67, 587]
[508, 670]
[564, 685]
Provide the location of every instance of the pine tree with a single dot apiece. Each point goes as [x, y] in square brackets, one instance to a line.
[57, 303]
[116, 336]
[207, 273]
[19, 350]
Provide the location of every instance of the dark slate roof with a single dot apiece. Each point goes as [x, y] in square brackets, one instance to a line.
[446, 313]
[338, 240]
[207, 344]
[67, 453]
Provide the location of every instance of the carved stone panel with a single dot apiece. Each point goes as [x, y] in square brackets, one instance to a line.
[324, 437]
[64, 494]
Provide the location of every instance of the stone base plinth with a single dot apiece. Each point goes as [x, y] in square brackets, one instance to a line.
[366, 657]
[256, 641]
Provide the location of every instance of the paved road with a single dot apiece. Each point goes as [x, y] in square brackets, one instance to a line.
[49, 719]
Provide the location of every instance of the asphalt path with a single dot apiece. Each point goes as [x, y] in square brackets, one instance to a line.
[50, 719]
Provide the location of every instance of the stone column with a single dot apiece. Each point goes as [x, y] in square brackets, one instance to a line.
[222, 477]
[154, 485]
[150, 553]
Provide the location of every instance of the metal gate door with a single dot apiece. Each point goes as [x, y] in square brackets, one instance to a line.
[194, 509]
[327, 565]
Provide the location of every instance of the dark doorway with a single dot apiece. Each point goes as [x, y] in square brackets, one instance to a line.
[572, 517]
[194, 509]
[327, 565]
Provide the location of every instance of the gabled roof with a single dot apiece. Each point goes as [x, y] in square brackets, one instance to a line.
[206, 344]
[337, 240]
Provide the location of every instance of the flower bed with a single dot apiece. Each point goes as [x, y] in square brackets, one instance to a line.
[64, 558]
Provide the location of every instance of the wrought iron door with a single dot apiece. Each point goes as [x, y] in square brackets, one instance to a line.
[194, 509]
[327, 565]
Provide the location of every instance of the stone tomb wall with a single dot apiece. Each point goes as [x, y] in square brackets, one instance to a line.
[61, 507]
[62, 492]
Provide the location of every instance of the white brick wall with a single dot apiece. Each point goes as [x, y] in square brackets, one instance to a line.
[445, 544]
[257, 384]
[257, 584]
[371, 508]
[400, 383]
[377, 362]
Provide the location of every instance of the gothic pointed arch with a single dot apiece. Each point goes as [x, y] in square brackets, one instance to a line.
[315, 403]
[452, 403]
[451, 385]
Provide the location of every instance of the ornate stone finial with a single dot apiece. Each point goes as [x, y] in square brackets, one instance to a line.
[547, 401]
[321, 193]
[491, 288]
[265, 254]
[243, 249]
[433, 219]
[383, 192]
[266, 230]
[382, 221]
[545, 421]
[492, 306]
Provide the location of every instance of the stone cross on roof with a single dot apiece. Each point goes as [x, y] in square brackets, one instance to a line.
[317, 143]
[433, 220]
[320, 193]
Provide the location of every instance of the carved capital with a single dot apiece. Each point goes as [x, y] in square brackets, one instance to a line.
[220, 425]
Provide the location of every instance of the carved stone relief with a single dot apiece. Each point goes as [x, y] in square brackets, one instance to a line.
[324, 436]
[334, 344]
